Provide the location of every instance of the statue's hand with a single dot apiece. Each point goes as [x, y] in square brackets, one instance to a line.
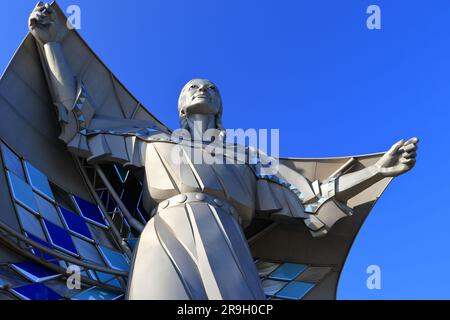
[45, 25]
[399, 159]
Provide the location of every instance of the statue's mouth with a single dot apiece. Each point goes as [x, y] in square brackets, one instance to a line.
[201, 96]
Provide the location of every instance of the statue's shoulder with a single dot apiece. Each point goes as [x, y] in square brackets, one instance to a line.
[116, 140]
[141, 129]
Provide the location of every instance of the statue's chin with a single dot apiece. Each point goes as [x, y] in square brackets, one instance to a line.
[201, 107]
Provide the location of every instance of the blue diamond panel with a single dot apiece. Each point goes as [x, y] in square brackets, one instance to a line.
[12, 162]
[34, 271]
[36, 291]
[271, 287]
[287, 271]
[90, 211]
[48, 210]
[38, 252]
[96, 293]
[295, 290]
[60, 237]
[115, 259]
[75, 223]
[39, 181]
[88, 251]
[30, 222]
[22, 192]
[265, 267]
[108, 279]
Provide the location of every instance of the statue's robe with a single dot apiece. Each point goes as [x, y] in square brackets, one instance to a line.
[31, 121]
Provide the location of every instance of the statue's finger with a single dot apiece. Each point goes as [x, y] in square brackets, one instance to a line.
[409, 155]
[408, 161]
[39, 4]
[48, 8]
[412, 140]
[34, 18]
[37, 19]
[408, 147]
[39, 7]
[393, 150]
[44, 16]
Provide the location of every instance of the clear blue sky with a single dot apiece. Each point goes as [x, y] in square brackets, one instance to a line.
[332, 87]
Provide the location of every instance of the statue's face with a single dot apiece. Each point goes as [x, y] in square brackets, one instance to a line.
[200, 96]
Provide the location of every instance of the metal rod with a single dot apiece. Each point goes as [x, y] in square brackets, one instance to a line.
[115, 232]
[342, 168]
[134, 223]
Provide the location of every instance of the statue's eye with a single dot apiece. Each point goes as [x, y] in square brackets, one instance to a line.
[194, 86]
[212, 88]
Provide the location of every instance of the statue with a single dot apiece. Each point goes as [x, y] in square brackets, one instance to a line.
[194, 247]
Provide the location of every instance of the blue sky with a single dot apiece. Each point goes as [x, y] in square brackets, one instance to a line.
[332, 87]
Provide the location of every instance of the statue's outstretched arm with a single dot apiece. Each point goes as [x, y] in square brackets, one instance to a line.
[289, 195]
[48, 30]
[114, 135]
[398, 160]
[62, 80]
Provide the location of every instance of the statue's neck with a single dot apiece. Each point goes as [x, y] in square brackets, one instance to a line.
[199, 123]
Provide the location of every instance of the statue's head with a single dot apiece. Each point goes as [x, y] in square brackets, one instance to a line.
[200, 96]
